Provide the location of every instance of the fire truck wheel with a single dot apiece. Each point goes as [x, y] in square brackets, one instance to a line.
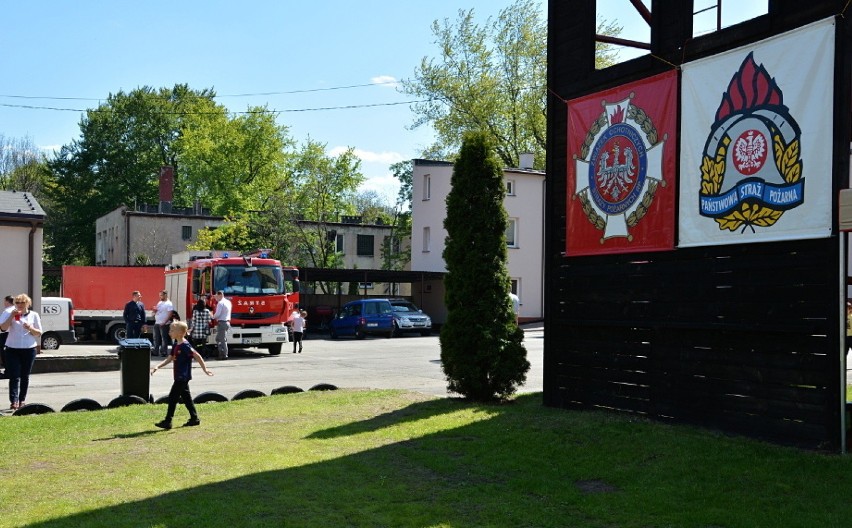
[275, 349]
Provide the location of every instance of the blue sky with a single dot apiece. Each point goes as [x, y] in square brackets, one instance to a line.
[67, 56]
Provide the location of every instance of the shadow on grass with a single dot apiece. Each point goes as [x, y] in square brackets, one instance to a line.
[421, 481]
[414, 412]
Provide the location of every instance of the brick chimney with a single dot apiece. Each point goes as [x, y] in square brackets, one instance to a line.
[167, 187]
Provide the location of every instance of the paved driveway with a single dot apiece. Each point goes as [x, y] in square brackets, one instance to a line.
[406, 362]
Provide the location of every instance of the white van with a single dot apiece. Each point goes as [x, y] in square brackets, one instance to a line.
[57, 321]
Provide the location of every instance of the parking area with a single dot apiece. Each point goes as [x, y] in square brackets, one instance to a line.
[409, 362]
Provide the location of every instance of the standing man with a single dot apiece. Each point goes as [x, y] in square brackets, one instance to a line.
[134, 315]
[162, 320]
[516, 305]
[9, 302]
[222, 316]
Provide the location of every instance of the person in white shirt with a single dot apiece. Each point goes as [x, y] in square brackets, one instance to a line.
[24, 327]
[222, 316]
[299, 322]
[162, 321]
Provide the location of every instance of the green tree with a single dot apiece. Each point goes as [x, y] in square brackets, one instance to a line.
[482, 351]
[228, 163]
[391, 259]
[490, 77]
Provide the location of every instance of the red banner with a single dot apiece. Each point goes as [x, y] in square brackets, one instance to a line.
[621, 168]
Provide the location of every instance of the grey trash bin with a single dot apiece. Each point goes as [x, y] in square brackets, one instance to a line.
[135, 357]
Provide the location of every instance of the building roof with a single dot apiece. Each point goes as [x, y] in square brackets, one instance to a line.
[23, 205]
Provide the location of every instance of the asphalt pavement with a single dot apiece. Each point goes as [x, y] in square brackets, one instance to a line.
[410, 362]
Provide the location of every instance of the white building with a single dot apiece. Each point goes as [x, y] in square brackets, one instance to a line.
[127, 237]
[22, 236]
[524, 205]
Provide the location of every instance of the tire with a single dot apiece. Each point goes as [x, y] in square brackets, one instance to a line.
[125, 400]
[425, 333]
[332, 333]
[275, 349]
[33, 408]
[210, 397]
[359, 333]
[394, 331]
[118, 333]
[81, 404]
[287, 389]
[50, 341]
[248, 394]
[323, 387]
[162, 399]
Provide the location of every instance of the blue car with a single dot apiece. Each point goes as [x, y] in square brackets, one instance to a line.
[362, 317]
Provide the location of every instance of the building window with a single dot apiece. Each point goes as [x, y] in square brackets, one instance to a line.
[186, 233]
[515, 286]
[366, 246]
[512, 233]
[510, 187]
[427, 244]
[338, 244]
[427, 186]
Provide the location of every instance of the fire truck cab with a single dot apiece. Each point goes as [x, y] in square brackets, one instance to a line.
[263, 294]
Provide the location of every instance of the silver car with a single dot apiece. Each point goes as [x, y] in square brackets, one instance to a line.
[407, 317]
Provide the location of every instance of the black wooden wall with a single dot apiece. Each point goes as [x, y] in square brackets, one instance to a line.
[744, 338]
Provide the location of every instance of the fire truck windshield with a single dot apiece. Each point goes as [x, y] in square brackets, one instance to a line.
[248, 280]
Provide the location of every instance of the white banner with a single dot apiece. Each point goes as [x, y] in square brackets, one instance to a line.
[756, 141]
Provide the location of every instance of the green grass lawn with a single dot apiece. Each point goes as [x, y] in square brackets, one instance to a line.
[392, 458]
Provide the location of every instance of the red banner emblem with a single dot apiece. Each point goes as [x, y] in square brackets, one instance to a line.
[621, 150]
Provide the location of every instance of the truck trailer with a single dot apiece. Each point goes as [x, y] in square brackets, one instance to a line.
[99, 294]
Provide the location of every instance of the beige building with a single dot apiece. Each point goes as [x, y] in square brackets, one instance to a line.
[22, 236]
[524, 204]
[360, 246]
[127, 237]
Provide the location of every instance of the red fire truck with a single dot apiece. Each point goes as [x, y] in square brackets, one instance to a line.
[263, 293]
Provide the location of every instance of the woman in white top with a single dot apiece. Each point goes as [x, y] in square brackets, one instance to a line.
[24, 327]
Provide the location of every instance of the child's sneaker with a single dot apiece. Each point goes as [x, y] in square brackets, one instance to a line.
[165, 424]
[192, 422]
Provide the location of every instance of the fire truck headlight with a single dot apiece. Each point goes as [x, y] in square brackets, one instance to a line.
[280, 329]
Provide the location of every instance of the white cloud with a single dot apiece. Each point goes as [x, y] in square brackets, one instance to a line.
[385, 80]
[387, 158]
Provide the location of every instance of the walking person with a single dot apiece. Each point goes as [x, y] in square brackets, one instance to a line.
[199, 326]
[162, 318]
[299, 322]
[24, 327]
[134, 315]
[222, 316]
[9, 305]
[182, 354]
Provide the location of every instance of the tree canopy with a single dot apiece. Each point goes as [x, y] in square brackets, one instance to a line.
[490, 77]
[225, 162]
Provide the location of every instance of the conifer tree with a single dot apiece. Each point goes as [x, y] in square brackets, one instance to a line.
[482, 352]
